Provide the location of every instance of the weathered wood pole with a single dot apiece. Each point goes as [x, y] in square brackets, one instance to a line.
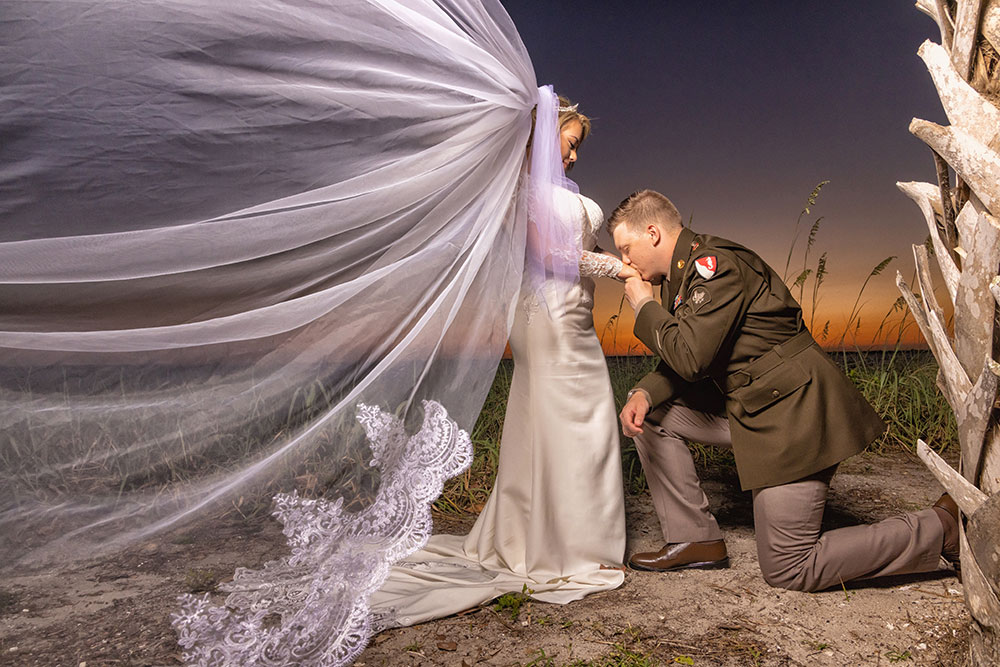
[966, 73]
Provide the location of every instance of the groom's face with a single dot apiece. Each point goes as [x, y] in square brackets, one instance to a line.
[639, 250]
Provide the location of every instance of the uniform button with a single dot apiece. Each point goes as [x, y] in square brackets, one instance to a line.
[776, 393]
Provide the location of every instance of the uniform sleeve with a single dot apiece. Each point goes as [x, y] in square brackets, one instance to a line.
[662, 384]
[689, 340]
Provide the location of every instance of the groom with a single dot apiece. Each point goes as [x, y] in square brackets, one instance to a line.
[739, 369]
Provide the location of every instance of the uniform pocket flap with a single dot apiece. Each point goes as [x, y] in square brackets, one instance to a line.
[771, 387]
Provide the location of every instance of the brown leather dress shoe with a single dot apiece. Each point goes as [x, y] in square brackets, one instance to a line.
[683, 555]
[947, 512]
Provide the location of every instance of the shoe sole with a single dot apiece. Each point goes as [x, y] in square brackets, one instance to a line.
[703, 565]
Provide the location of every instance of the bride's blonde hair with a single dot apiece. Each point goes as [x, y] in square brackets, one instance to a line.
[567, 113]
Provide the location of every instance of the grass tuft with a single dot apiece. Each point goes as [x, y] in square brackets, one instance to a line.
[198, 580]
[512, 603]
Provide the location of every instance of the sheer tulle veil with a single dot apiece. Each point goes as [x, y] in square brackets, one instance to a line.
[253, 250]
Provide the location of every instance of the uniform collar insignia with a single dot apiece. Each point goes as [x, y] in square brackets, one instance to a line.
[682, 252]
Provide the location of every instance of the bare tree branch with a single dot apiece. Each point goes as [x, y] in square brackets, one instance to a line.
[957, 382]
[948, 213]
[963, 46]
[927, 197]
[964, 493]
[976, 163]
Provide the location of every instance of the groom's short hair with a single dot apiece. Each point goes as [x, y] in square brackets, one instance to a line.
[642, 207]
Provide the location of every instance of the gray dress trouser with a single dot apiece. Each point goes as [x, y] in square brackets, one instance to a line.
[792, 551]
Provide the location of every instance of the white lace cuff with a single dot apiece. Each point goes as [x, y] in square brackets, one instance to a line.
[599, 265]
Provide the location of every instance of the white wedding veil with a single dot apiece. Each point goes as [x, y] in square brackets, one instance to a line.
[253, 248]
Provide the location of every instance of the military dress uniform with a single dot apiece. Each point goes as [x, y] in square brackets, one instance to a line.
[739, 369]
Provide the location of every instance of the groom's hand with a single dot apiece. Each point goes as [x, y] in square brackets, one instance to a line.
[634, 413]
[638, 291]
[626, 273]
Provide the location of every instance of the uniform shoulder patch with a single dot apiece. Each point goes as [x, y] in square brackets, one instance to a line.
[706, 266]
[698, 297]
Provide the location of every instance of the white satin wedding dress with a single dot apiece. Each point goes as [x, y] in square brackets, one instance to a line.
[555, 520]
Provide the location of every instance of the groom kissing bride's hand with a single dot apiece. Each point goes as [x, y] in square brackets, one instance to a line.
[738, 369]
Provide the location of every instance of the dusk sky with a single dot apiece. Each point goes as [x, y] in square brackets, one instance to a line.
[737, 110]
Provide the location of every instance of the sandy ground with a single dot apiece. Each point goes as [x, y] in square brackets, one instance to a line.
[117, 612]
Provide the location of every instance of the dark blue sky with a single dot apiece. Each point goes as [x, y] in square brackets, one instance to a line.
[737, 110]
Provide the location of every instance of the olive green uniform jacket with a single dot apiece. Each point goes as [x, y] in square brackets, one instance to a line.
[728, 320]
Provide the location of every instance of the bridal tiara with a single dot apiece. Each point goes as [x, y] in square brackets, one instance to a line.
[572, 107]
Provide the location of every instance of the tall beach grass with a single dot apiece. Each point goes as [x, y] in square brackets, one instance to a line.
[899, 384]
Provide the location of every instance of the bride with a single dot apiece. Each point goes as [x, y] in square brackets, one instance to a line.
[554, 524]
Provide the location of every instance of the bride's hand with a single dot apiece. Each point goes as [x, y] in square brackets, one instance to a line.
[626, 273]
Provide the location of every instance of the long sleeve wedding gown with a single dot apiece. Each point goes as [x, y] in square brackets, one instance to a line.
[555, 520]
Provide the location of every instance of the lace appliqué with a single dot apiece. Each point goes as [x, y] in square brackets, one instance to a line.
[530, 302]
[598, 265]
[311, 608]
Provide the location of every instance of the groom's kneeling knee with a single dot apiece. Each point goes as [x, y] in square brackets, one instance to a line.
[787, 563]
[789, 579]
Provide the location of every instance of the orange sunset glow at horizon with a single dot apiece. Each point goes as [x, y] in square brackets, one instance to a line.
[876, 324]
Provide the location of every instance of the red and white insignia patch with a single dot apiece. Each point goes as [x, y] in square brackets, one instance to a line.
[706, 266]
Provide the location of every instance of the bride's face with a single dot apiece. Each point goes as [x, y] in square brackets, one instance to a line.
[570, 136]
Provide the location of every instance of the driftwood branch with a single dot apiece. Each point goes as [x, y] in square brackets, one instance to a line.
[964, 106]
[981, 533]
[928, 7]
[979, 233]
[963, 46]
[948, 213]
[957, 384]
[979, 594]
[962, 192]
[991, 24]
[973, 419]
[931, 305]
[944, 23]
[976, 163]
[964, 493]
[927, 198]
